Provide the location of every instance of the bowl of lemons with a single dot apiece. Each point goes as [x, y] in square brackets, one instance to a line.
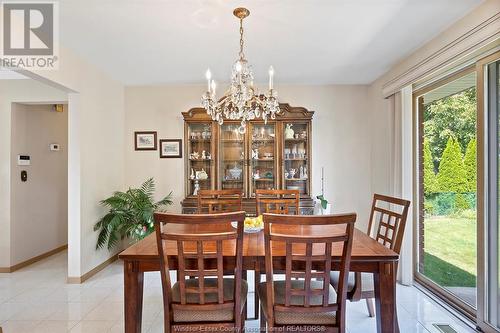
[251, 224]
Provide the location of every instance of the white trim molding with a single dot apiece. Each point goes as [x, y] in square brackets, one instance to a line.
[407, 155]
[484, 35]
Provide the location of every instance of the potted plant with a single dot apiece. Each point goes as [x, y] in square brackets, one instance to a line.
[130, 215]
[324, 207]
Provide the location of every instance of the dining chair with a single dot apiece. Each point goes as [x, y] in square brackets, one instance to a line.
[210, 300]
[219, 201]
[305, 298]
[390, 214]
[277, 202]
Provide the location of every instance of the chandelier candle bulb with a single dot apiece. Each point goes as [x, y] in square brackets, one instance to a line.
[271, 74]
[208, 75]
[213, 86]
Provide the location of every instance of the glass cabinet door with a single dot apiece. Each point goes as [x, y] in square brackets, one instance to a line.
[296, 151]
[199, 156]
[231, 157]
[263, 157]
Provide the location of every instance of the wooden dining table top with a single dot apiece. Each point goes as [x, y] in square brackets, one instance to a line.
[364, 248]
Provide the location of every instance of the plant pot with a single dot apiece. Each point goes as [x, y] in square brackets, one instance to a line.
[320, 211]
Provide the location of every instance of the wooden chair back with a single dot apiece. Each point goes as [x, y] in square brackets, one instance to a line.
[390, 215]
[277, 201]
[309, 257]
[200, 254]
[219, 201]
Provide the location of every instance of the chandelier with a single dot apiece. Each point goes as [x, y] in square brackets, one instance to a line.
[241, 101]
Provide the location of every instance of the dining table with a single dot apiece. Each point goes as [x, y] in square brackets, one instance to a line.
[367, 255]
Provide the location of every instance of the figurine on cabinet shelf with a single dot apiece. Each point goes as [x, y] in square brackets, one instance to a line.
[256, 175]
[202, 175]
[303, 172]
[196, 187]
[194, 155]
[289, 132]
[209, 156]
[292, 173]
[192, 176]
[203, 155]
[255, 153]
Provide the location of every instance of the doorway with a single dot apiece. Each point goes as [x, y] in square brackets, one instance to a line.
[447, 223]
[39, 181]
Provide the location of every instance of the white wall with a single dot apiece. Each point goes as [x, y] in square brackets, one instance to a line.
[341, 139]
[95, 155]
[12, 91]
[39, 206]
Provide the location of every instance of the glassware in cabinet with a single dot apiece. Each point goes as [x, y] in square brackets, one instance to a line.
[296, 157]
[262, 153]
[200, 157]
[232, 157]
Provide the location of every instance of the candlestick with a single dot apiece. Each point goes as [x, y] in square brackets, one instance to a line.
[208, 75]
[213, 87]
[271, 74]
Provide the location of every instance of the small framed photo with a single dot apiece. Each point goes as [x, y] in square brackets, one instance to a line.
[145, 140]
[170, 148]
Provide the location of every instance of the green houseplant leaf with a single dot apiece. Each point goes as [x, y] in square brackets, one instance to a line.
[130, 215]
[323, 201]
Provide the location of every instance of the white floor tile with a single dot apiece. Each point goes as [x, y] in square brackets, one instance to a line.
[27, 326]
[89, 326]
[37, 299]
[54, 326]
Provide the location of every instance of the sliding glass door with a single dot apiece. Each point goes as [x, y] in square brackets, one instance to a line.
[447, 223]
[457, 231]
[490, 105]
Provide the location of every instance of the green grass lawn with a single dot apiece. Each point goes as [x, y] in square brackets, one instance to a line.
[450, 251]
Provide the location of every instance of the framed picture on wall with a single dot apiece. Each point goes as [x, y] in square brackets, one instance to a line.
[170, 148]
[145, 140]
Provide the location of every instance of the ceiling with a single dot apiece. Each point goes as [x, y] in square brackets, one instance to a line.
[6, 74]
[140, 42]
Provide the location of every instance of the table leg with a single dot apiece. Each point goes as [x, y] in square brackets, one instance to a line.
[385, 298]
[133, 291]
[255, 295]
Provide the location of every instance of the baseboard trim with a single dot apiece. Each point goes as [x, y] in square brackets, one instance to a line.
[89, 274]
[33, 260]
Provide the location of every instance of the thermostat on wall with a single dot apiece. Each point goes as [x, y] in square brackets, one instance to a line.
[55, 147]
[23, 160]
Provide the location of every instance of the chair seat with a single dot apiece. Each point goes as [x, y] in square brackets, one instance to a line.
[298, 318]
[366, 281]
[207, 315]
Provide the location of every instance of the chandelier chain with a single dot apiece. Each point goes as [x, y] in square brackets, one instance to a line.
[242, 54]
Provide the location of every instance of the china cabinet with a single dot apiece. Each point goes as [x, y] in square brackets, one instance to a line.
[276, 155]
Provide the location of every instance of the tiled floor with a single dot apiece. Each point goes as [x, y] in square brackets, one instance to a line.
[37, 299]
